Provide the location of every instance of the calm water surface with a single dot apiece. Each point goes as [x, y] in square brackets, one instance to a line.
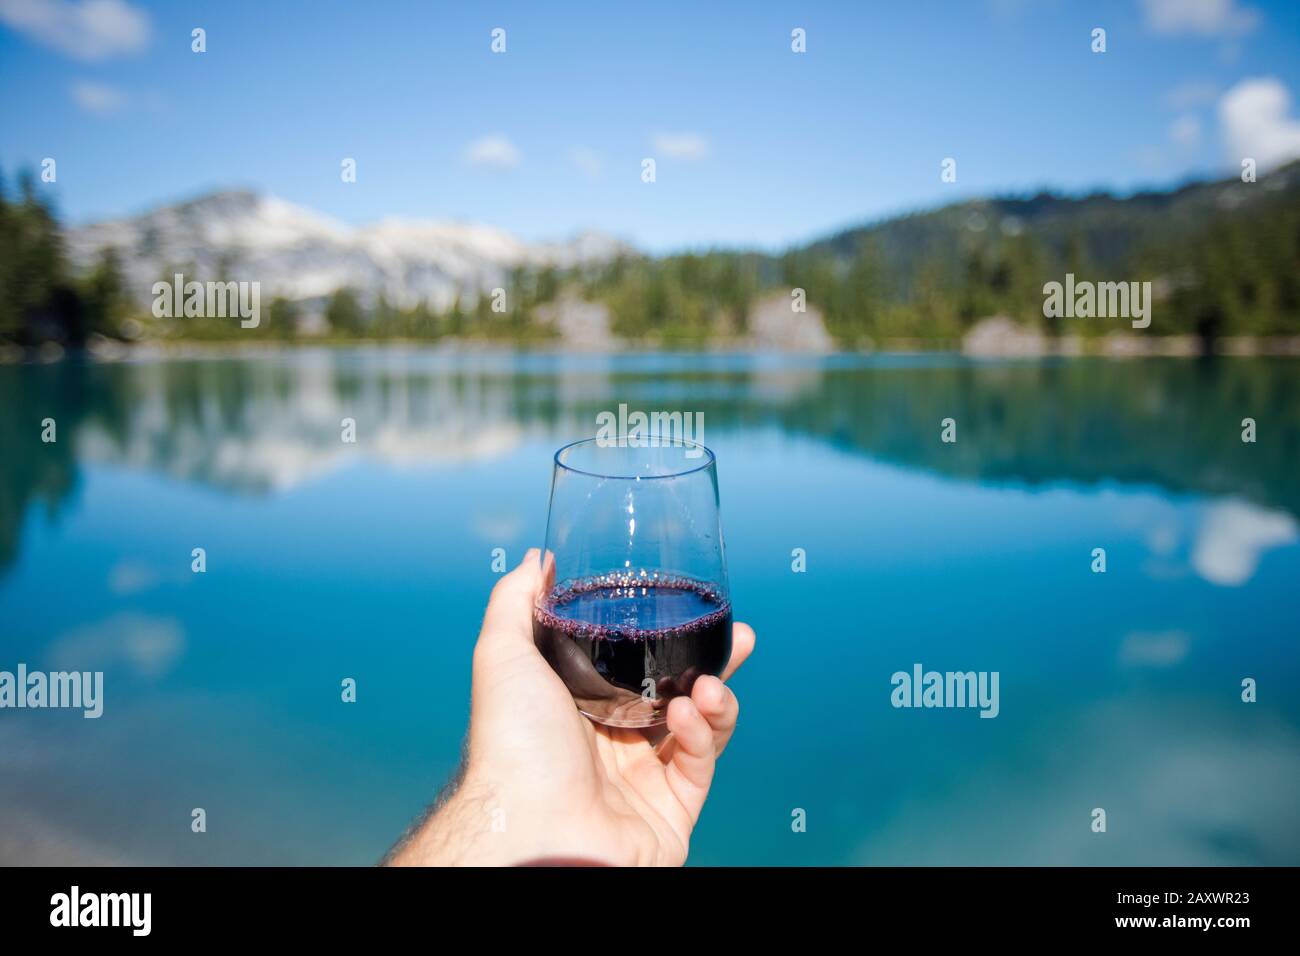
[328, 560]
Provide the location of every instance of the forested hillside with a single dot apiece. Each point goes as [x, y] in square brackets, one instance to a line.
[1223, 258]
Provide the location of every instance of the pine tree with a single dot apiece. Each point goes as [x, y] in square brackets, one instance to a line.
[344, 313]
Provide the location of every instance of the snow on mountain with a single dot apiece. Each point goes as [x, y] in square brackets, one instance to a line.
[302, 255]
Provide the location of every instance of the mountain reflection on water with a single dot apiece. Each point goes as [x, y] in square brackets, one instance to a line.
[260, 424]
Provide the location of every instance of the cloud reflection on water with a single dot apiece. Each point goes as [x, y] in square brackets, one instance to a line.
[1232, 537]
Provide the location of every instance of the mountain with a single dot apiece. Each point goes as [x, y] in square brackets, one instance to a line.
[1222, 259]
[296, 253]
[1101, 231]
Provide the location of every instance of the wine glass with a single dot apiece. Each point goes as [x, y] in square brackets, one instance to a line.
[635, 605]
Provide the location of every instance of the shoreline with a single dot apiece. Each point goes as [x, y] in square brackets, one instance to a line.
[1031, 346]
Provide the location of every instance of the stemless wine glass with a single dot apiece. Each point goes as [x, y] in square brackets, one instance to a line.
[635, 605]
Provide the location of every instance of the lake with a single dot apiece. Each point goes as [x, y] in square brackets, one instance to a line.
[372, 560]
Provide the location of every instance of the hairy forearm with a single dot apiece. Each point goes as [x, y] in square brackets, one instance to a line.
[471, 827]
[459, 832]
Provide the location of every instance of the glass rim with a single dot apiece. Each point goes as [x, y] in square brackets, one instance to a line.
[709, 459]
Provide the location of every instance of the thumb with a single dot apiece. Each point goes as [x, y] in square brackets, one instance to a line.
[509, 615]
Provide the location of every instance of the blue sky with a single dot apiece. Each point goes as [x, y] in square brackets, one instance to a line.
[754, 144]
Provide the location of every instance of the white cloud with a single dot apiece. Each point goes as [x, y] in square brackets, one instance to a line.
[685, 146]
[86, 30]
[1162, 538]
[1185, 131]
[492, 152]
[149, 646]
[587, 160]
[130, 577]
[1232, 537]
[1207, 18]
[1256, 123]
[98, 98]
[1154, 650]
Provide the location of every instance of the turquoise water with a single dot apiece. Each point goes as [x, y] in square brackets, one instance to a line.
[373, 560]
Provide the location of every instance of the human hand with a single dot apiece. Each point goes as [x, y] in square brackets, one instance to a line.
[542, 783]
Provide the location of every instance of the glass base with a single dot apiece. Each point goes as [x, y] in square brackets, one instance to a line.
[627, 723]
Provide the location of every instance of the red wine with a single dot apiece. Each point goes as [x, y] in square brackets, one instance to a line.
[626, 645]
